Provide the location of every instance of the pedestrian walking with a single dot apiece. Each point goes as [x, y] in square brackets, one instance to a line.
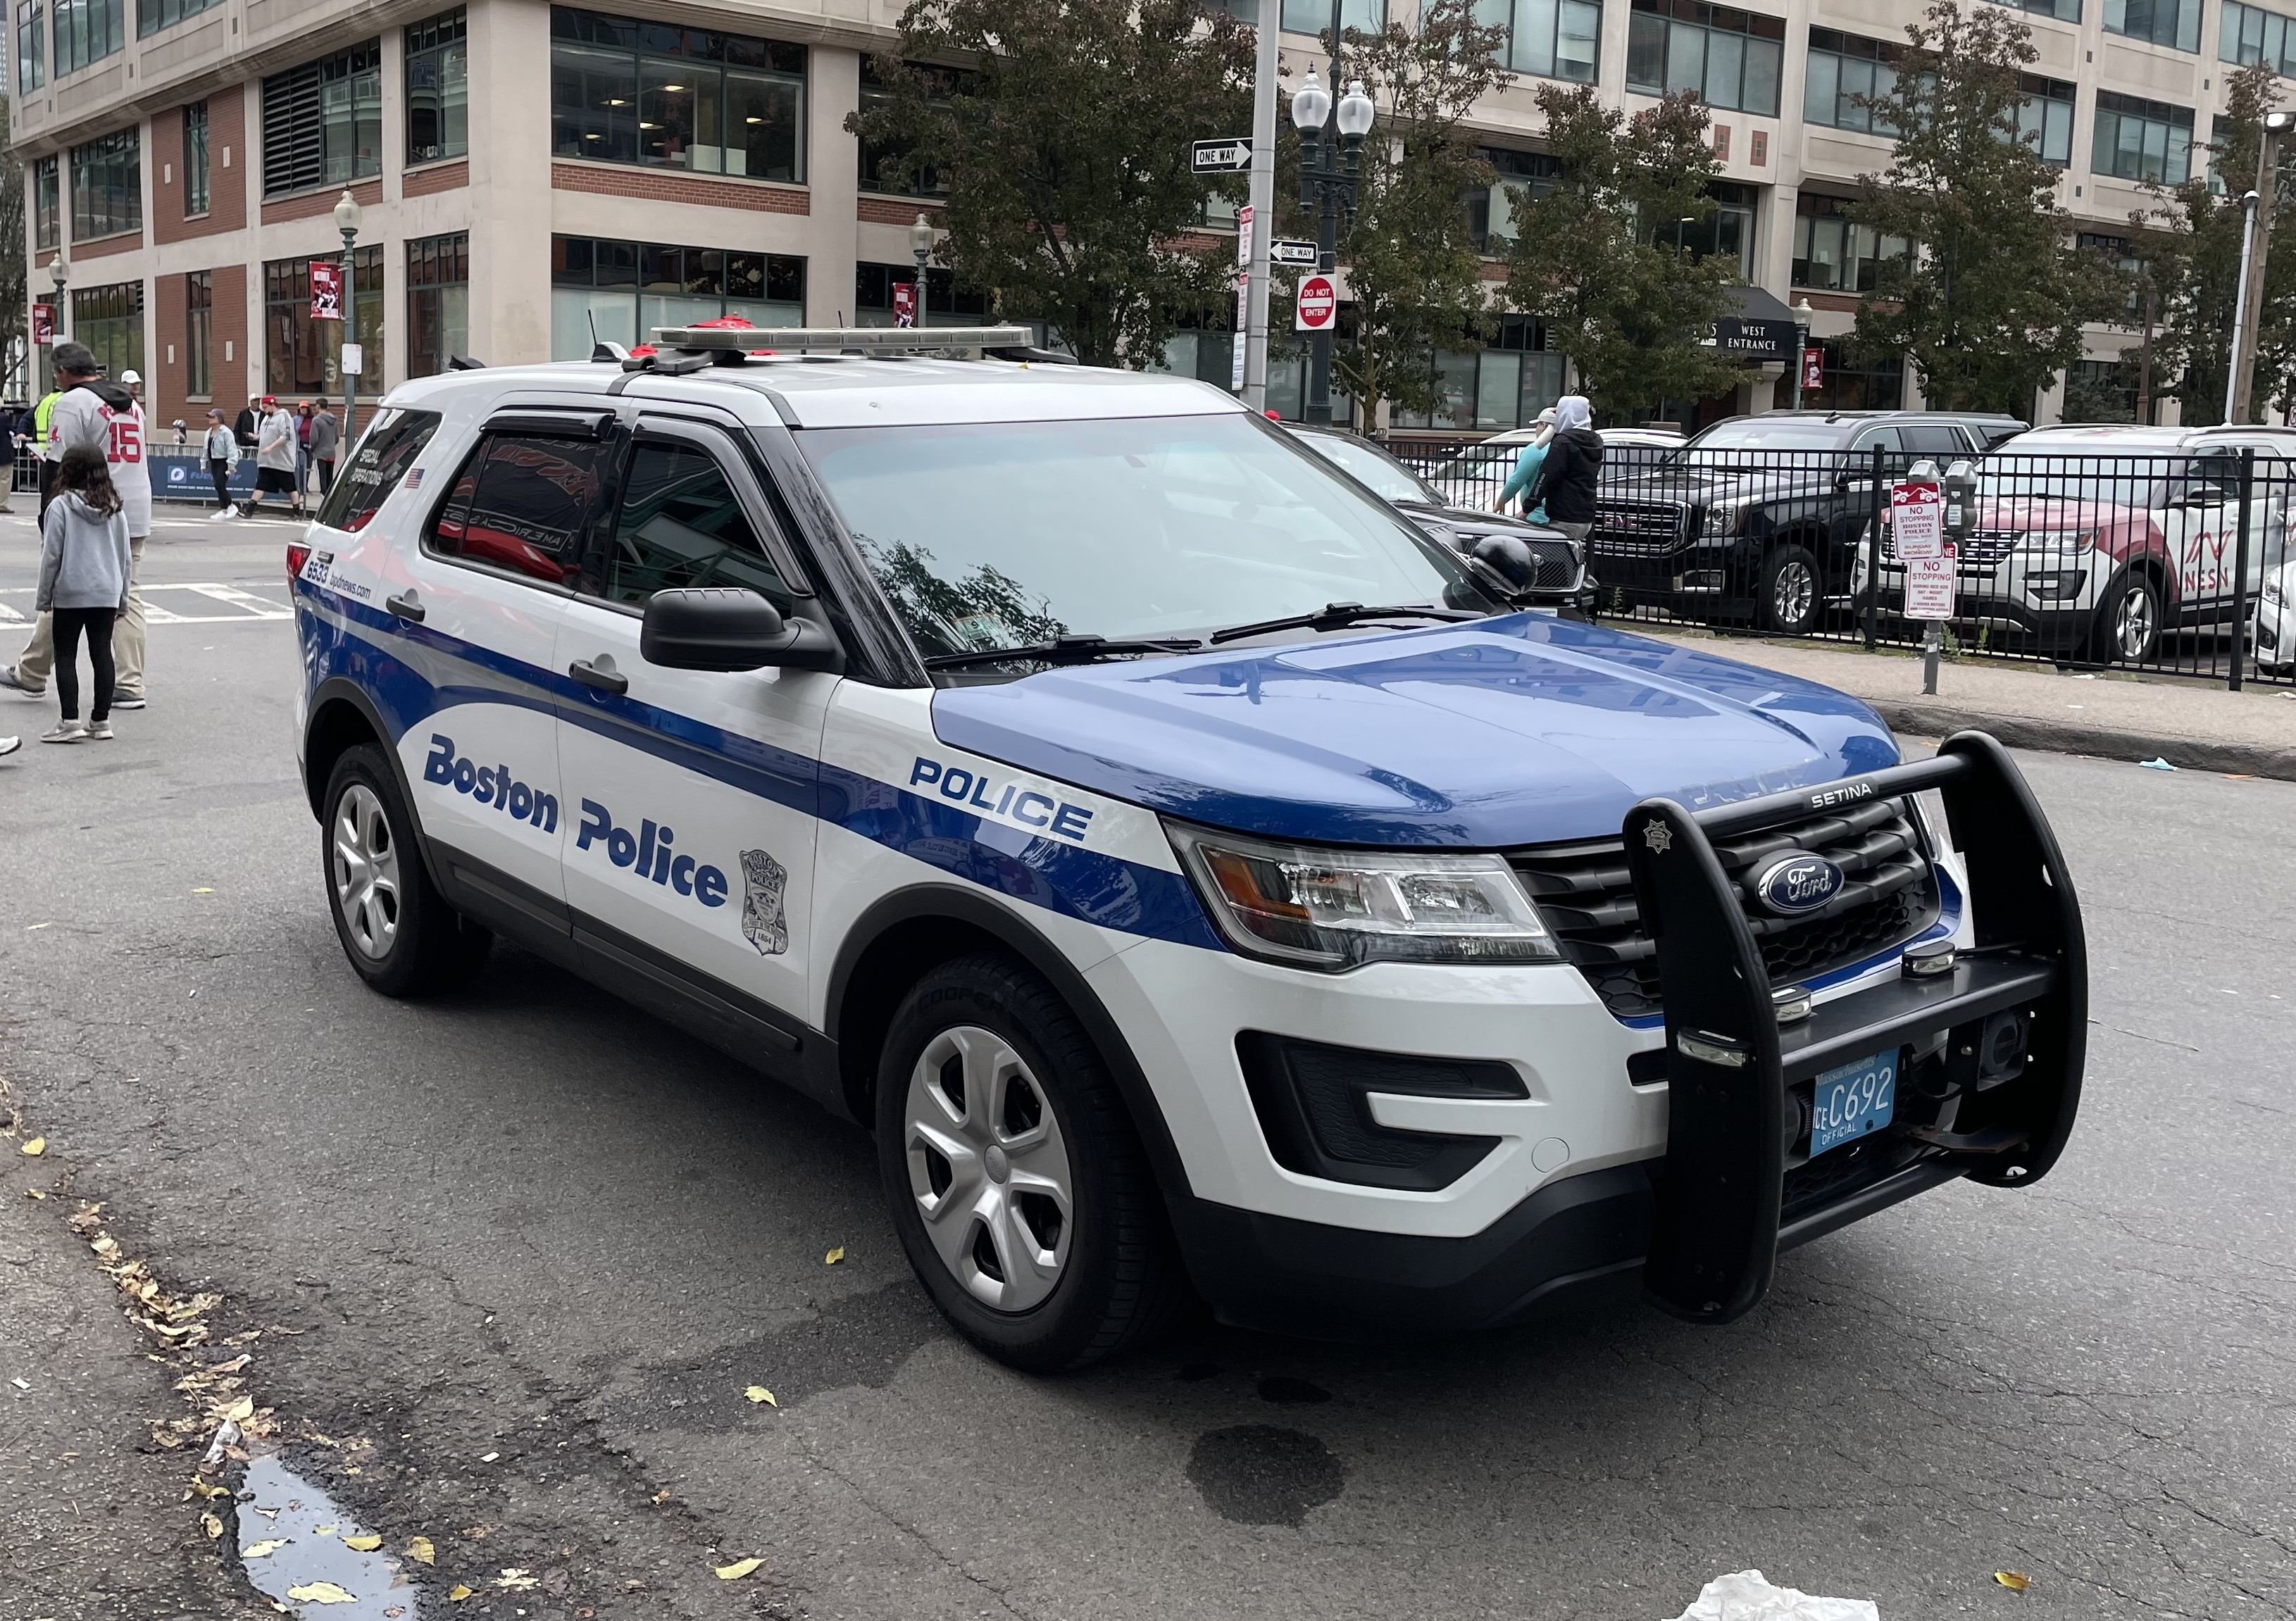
[326, 440]
[41, 412]
[302, 453]
[84, 573]
[1574, 463]
[220, 450]
[93, 414]
[275, 457]
[249, 422]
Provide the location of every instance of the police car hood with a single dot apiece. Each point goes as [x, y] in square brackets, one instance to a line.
[1521, 730]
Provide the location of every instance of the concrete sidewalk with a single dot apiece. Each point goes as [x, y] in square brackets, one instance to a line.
[2191, 724]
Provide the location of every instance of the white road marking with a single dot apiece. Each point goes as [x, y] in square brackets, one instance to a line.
[251, 608]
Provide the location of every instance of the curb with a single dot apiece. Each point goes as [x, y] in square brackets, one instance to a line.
[2058, 737]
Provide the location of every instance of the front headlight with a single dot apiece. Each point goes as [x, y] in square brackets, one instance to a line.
[1720, 520]
[2058, 541]
[1337, 909]
[2271, 589]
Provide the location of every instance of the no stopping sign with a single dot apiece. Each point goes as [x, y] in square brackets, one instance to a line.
[1318, 304]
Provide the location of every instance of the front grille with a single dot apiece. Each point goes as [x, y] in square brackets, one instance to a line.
[1558, 564]
[1891, 896]
[1639, 527]
[1982, 548]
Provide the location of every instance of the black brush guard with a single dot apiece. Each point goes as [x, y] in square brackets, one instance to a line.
[1730, 1064]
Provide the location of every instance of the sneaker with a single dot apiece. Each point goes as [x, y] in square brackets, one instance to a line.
[64, 732]
[127, 700]
[99, 730]
[9, 678]
[227, 512]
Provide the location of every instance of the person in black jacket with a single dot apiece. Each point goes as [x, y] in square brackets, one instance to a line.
[1574, 461]
[243, 429]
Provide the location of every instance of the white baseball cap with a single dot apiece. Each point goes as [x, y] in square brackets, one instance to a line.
[129, 377]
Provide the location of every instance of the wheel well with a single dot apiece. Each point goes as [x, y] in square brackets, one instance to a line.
[336, 727]
[880, 979]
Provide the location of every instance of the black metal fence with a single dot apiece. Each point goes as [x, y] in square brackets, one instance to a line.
[2179, 564]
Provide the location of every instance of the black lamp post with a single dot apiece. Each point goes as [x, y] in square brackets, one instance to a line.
[1329, 172]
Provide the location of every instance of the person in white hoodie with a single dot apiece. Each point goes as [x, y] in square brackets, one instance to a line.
[84, 564]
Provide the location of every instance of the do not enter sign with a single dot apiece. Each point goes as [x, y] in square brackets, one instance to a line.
[1318, 304]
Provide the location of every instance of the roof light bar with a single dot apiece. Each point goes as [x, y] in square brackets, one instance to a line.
[847, 339]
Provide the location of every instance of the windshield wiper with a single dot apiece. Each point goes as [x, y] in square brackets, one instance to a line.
[1337, 615]
[1068, 650]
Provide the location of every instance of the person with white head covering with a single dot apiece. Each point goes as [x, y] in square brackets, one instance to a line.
[1574, 463]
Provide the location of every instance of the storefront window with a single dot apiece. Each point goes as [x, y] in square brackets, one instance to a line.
[629, 289]
[302, 357]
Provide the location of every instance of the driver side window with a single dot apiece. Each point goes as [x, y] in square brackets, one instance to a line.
[682, 523]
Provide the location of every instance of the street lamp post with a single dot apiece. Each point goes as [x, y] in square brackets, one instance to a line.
[1802, 312]
[920, 244]
[2257, 245]
[347, 221]
[60, 274]
[1329, 173]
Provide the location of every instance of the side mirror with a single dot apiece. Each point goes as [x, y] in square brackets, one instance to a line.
[728, 627]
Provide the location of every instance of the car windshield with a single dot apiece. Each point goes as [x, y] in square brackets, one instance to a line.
[1388, 479]
[1015, 534]
[1760, 433]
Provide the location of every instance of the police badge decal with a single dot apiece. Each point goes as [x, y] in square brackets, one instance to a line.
[763, 923]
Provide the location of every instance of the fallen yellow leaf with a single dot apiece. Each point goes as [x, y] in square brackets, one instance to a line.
[457, 1594]
[513, 1580]
[36, 1146]
[205, 1490]
[213, 1527]
[759, 1393]
[34, 1193]
[240, 1411]
[363, 1544]
[834, 1256]
[202, 892]
[2015, 1581]
[327, 1530]
[321, 1592]
[263, 1550]
[739, 1569]
[418, 1550]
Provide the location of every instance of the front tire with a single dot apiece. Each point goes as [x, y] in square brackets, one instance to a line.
[2126, 629]
[1791, 597]
[399, 933]
[1014, 1177]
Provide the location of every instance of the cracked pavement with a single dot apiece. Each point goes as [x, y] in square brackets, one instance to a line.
[528, 1222]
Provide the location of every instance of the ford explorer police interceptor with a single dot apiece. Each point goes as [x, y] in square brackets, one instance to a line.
[1197, 877]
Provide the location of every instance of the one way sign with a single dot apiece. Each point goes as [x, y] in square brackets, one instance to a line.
[1211, 157]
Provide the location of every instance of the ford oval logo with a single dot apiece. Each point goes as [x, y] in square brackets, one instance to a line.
[1799, 882]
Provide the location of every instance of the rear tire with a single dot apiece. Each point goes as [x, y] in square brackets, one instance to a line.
[1791, 599]
[399, 933]
[1015, 1180]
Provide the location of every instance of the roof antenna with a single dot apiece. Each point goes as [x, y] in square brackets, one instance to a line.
[600, 349]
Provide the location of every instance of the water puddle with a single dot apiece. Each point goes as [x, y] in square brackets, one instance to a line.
[291, 1543]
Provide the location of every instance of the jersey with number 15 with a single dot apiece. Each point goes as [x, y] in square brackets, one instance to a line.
[82, 417]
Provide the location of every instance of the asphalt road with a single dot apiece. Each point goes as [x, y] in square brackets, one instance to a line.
[516, 1255]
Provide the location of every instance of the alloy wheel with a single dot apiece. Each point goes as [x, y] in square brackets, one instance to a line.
[1792, 592]
[2132, 623]
[366, 861]
[988, 1168]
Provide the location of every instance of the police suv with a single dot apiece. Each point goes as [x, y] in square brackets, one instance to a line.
[1200, 880]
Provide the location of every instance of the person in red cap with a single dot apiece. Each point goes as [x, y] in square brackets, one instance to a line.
[275, 445]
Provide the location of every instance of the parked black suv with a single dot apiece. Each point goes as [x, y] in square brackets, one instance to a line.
[1758, 518]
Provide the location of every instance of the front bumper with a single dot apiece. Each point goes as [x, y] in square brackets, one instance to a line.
[2050, 596]
[2273, 635]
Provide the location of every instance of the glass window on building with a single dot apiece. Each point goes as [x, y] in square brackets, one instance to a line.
[438, 302]
[882, 168]
[1333, 17]
[2099, 391]
[2160, 22]
[1505, 385]
[110, 320]
[31, 46]
[87, 31]
[47, 205]
[1731, 58]
[1727, 232]
[2064, 11]
[1876, 386]
[1847, 74]
[628, 92]
[195, 160]
[437, 88]
[322, 121]
[1552, 38]
[2045, 118]
[2142, 140]
[198, 332]
[2247, 34]
[944, 304]
[1490, 209]
[302, 358]
[2122, 254]
[107, 181]
[152, 15]
[1832, 255]
[629, 289]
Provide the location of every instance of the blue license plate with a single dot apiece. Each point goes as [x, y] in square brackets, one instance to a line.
[1852, 1101]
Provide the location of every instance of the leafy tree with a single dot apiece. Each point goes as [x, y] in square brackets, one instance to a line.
[2191, 236]
[1631, 312]
[1415, 279]
[1065, 148]
[1990, 303]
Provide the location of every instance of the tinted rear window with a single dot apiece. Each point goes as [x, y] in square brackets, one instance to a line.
[523, 505]
[393, 439]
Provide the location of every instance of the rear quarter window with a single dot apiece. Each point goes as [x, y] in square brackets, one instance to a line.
[522, 504]
[378, 464]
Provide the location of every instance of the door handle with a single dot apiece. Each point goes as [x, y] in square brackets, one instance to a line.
[606, 680]
[405, 607]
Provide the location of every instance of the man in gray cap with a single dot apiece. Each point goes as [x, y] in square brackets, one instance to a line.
[105, 416]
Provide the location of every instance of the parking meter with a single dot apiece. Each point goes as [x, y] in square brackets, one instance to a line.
[1960, 489]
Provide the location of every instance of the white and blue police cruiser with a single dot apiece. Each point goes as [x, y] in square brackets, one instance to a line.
[1200, 880]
